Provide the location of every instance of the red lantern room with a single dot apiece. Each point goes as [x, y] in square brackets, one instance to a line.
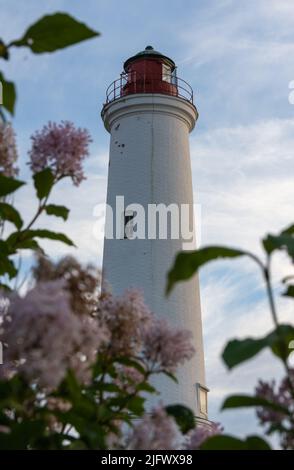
[149, 71]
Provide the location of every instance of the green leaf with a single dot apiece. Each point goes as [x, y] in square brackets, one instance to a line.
[58, 211]
[7, 267]
[183, 416]
[279, 341]
[8, 93]
[106, 387]
[126, 361]
[22, 435]
[146, 387]
[187, 263]
[77, 445]
[256, 443]
[52, 236]
[238, 351]
[25, 239]
[289, 230]
[289, 292]
[103, 413]
[43, 182]
[53, 32]
[4, 53]
[4, 249]
[15, 388]
[136, 405]
[5, 287]
[29, 245]
[245, 401]
[40, 233]
[8, 212]
[171, 376]
[9, 185]
[225, 442]
[284, 241]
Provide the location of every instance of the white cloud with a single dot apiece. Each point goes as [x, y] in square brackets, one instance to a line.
[244, 181]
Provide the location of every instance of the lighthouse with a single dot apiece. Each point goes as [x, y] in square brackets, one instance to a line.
[149, 113]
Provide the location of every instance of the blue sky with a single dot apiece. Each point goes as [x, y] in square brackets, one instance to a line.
[239, 58]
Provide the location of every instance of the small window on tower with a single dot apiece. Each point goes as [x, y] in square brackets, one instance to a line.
[202, 407]
[166, 73]
[128, 225]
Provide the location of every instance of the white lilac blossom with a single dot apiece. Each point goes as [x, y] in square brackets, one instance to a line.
[8, 151]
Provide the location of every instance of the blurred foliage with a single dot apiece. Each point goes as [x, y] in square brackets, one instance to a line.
[49, 34]
[237, 351]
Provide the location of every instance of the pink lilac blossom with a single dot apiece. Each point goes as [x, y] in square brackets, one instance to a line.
[56, 403]
[279, 395]
[4, 429]
[198, 436]
[282, 395]
[62, 147]
[166, 347]
[43, 338]
[155, 431]
[8, 151]
[127, 318]
[129, 378]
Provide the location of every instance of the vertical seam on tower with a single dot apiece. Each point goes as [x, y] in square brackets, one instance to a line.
[152, 187]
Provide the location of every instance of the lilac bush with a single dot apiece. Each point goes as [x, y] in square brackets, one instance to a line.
[78, 361]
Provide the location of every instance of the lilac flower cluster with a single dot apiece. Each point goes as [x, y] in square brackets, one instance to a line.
[62, 147]
[127, 318]
[43, 338]
[159, 431]
[199, 435]
[136, 331]
[166, 346]
[156, 431]
[276, 420]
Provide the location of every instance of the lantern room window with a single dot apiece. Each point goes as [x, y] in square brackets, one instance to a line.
[166, 73]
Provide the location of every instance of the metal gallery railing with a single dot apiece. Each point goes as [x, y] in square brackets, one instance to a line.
[132, 83]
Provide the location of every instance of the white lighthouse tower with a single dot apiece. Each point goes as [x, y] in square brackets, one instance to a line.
[149, 113]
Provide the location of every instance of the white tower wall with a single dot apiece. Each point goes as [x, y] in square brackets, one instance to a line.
[149, 163]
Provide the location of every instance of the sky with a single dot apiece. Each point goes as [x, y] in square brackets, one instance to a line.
[239, 58]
